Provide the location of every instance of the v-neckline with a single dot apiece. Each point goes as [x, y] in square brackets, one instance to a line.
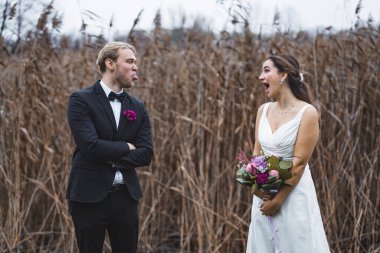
[275, 131]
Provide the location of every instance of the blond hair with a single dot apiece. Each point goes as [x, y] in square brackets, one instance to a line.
[111, 51]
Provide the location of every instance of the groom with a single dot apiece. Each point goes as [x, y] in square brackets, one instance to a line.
[112, 133]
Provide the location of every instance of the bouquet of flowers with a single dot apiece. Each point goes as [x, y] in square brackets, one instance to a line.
[267, 173]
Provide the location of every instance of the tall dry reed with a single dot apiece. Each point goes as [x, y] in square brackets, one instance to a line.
[202, 93]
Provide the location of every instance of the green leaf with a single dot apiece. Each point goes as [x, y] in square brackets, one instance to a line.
[286, 164]
[273, 162]
[248, 176]
[254, 188]
[285, 174]
[274, 186]
[271, 179]
[240, 172]
[244, 181]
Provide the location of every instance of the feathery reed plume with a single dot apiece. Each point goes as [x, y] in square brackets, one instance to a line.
[135, 22]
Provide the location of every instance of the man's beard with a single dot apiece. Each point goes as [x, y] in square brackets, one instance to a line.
[127, 85]
[124, 83]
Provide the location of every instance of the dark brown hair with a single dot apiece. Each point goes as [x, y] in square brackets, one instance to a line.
[288, 64]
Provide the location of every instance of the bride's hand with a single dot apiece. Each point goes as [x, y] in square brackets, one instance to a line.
[264, 195]
[269, 207]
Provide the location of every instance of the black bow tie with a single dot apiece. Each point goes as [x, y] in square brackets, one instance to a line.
[112, 96]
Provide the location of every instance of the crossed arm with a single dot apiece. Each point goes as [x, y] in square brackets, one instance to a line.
[124, 155]
[143, 152]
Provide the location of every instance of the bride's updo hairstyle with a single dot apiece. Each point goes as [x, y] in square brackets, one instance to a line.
[288, 64]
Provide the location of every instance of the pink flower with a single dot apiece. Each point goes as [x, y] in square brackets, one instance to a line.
[251, 169]
[131, 115]
[241, 157]
[274, 173]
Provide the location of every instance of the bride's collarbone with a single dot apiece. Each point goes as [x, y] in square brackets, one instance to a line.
[278, 120]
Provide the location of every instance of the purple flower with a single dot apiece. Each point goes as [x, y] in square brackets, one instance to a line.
[131, 115]
[262, 178]
[260, 163]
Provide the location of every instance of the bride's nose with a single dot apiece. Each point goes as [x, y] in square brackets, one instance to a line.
[261, 77]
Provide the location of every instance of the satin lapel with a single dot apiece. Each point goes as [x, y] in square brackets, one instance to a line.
[102, 98]
[123, 122]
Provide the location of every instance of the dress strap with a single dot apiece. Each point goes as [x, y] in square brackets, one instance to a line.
[265, 110]
[300, 112]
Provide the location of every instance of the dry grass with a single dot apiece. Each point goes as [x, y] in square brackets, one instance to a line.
[202, 95]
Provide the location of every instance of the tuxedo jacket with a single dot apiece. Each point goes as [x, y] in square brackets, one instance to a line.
[101, 147]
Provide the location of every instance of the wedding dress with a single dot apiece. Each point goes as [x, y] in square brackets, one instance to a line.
[298, 224]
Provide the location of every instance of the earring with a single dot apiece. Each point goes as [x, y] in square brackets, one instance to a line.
[282, 81]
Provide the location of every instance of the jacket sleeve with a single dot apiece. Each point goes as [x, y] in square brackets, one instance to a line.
[85, 135]
[142, 155]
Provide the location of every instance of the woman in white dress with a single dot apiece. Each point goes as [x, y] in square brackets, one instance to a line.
[289, 221]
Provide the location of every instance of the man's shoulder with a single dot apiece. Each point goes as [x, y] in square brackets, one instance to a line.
[87, 90]
[134, 100]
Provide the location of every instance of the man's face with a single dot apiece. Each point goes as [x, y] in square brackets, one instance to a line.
[125, 69]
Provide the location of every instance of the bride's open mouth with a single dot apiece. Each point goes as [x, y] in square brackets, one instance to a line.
[266, 86]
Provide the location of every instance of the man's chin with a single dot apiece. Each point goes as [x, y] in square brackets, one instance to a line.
[128, 85]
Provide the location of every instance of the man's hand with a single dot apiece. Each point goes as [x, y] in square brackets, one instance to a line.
[131, 146]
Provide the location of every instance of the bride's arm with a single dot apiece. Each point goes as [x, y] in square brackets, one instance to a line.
[307, 138]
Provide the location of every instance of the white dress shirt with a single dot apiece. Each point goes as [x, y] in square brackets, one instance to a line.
[116, 108]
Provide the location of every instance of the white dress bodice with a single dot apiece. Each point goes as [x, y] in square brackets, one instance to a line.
[280, 142]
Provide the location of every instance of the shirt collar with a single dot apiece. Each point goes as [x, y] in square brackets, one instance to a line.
[107, 89]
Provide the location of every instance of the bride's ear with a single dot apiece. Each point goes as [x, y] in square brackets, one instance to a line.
[283, 77]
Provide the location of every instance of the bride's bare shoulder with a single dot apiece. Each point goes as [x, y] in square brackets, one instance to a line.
[310, 115]
[260, 110]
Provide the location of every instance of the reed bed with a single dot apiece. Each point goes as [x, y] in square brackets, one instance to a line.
[202, 92]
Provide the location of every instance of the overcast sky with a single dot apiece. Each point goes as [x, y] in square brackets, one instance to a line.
[294, 14]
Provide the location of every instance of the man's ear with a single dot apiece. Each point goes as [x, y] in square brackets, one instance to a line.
[110, 64]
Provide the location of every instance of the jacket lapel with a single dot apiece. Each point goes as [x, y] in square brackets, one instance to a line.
[102, 98]
[124, 122]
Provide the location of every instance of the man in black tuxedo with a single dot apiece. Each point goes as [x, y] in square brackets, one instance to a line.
[112, 133]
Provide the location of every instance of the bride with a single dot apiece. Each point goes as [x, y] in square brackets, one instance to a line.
[289, 221]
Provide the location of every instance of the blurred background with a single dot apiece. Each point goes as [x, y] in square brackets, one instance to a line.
[199, 64]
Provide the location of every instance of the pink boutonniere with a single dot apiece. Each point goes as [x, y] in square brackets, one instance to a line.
[131, 115]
